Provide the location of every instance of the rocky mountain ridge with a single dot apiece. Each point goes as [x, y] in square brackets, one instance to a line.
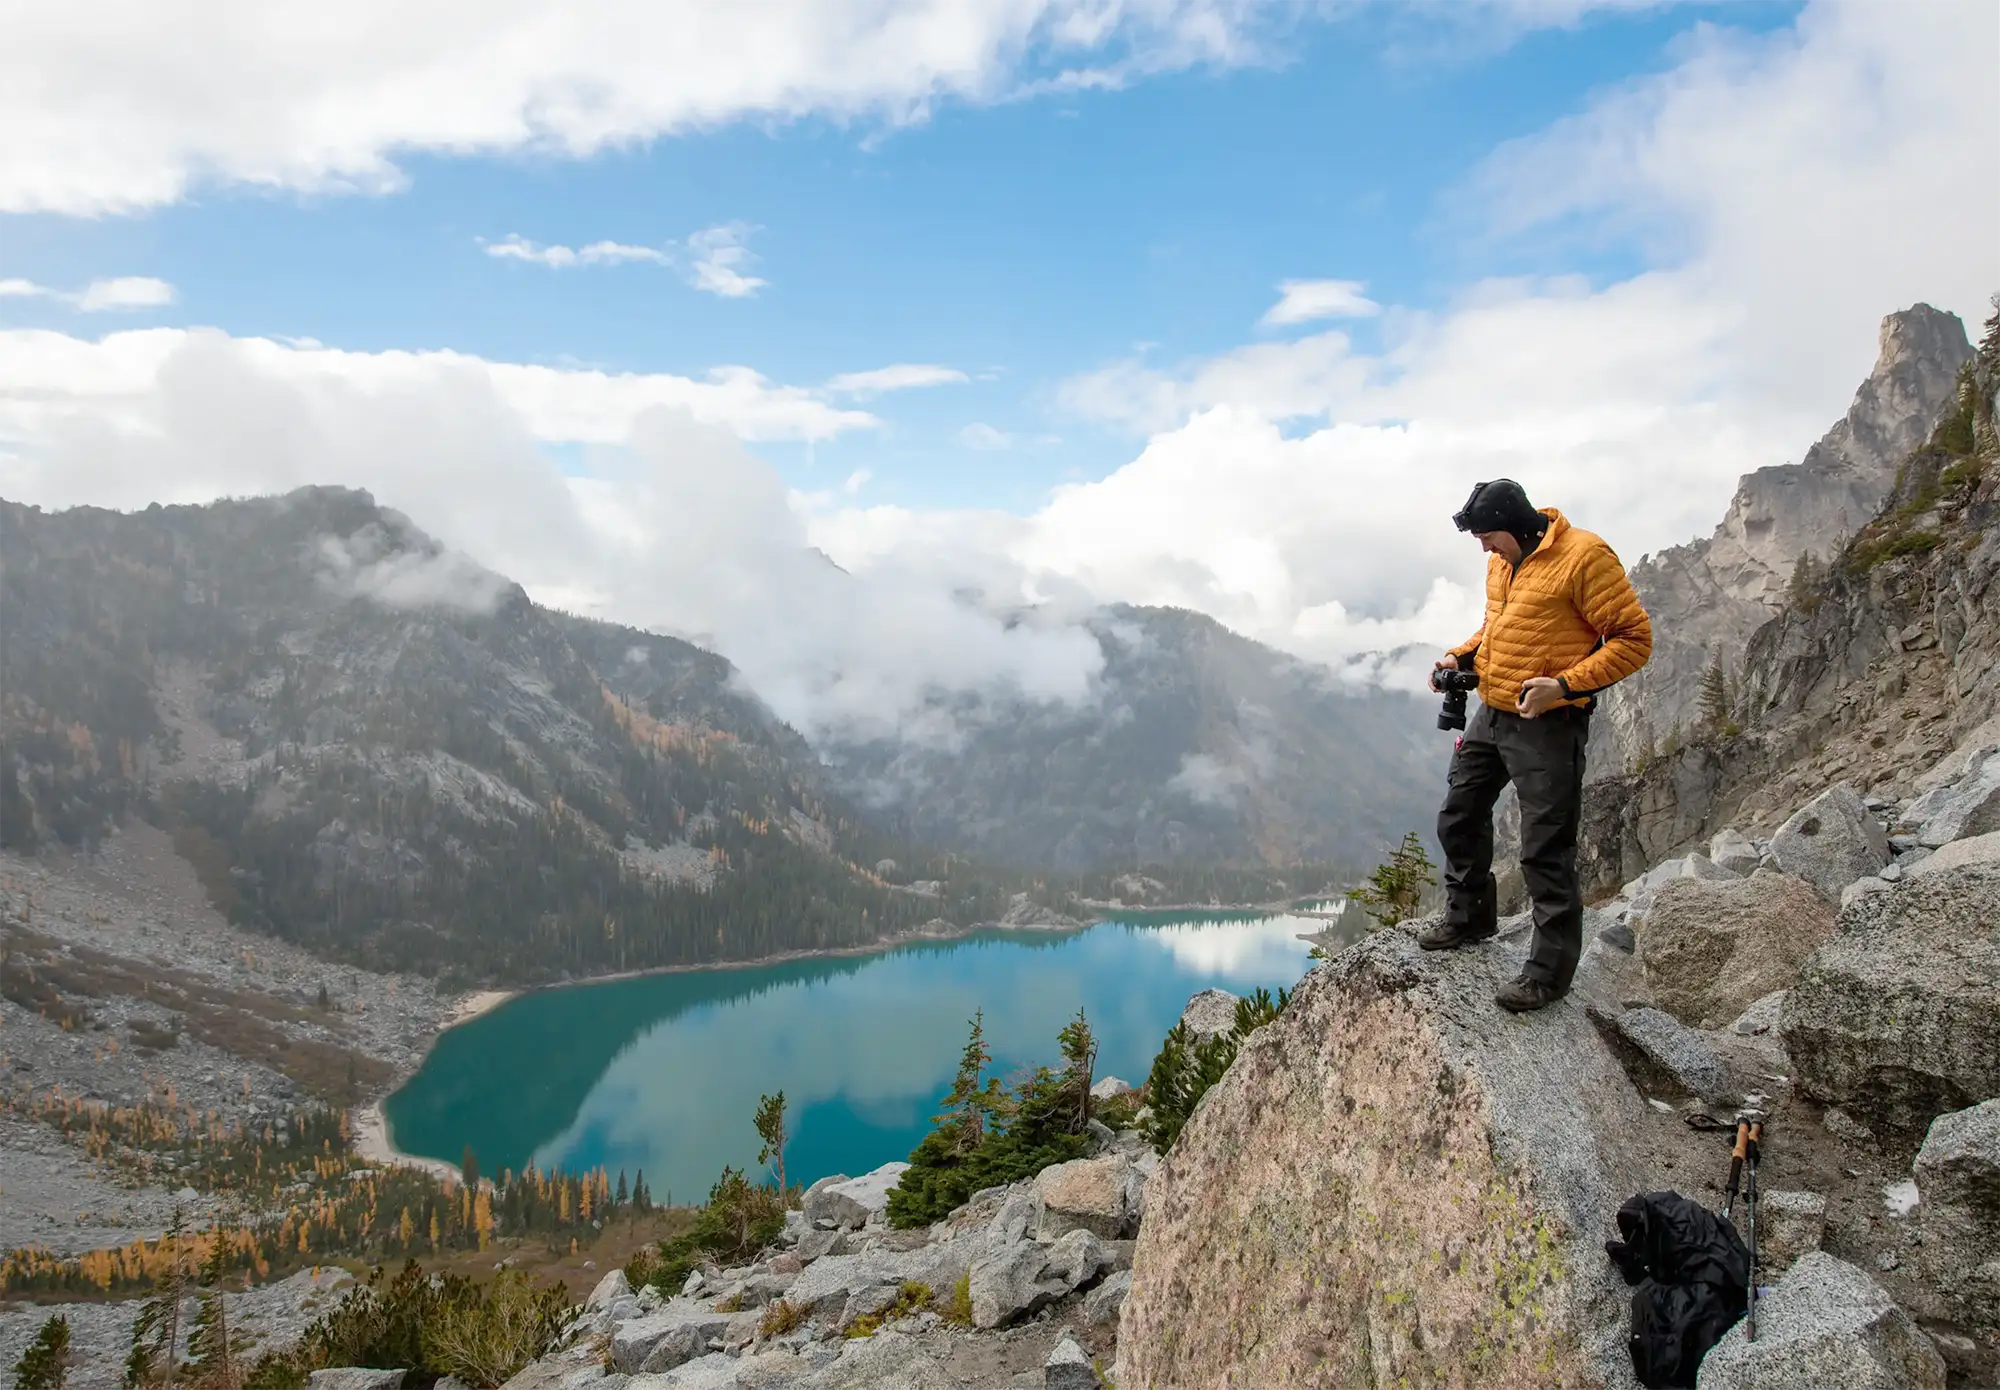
[1203, 746]
[1708, 596]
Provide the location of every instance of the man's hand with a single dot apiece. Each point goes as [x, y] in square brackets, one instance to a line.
[1539, 695]
[1450, 663]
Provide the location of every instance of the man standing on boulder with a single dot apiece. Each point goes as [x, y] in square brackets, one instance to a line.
[1562, 623]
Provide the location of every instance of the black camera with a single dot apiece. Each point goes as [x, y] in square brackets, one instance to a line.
[1454, 686]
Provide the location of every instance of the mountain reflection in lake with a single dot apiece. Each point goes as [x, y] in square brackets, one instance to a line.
[662, 1073]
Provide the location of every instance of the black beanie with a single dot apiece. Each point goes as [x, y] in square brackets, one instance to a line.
[1501, 505]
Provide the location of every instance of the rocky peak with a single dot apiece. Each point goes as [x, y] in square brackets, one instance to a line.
[1709, 595]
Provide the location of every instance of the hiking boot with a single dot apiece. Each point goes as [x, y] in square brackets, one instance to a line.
[1446, 937]
[1525, 995]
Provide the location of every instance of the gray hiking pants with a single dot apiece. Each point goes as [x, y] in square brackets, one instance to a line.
[1543, 758]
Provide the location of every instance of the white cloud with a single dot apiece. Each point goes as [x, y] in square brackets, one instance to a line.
[1301, 301]
[124, 292]
[1299, 491]
[714, 260]
[903, 376]
[124, 381]
[327, 98]
[980, 435]
[517, 248]
[717, 259]
[677, 528]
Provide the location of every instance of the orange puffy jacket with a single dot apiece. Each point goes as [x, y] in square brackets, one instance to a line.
[1569, 611]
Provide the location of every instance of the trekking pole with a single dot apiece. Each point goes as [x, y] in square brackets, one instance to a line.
[1752, 1147]
[1736, 1156]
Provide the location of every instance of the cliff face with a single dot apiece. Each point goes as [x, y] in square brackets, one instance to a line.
[1891, 662]
[1709, 596]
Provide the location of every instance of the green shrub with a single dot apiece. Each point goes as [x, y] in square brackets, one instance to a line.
[988, 1137]
[781, 1317]
[1186, 1068]
[486, 1341]
[911, 1299]
[45, 1364]
[958, 1310]
[432, 1325]
[739, 1219]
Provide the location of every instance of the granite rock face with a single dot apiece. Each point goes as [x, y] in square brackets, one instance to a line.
[1958, 1174]
[1390, 1116]
[1827, 1324]
[1712, 949]
[1896, 1019]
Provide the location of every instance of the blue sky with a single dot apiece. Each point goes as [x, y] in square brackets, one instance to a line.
[1019, 243]
[1623, 250]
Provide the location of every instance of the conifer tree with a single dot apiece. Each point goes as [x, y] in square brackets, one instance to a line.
[468, 1164]
[1079, 1050]
[1395, 890]
[1715, 703]
[624, 1193]
[771, 1129]
[970, 1103]
[45, 1363]
[209, 1345]
[156, 1332]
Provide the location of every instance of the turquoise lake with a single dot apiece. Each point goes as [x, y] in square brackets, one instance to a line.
[662, 1073]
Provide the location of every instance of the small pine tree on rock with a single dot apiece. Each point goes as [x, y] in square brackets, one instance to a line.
[771, 1129]
[1079, 1049]
[44, 1365]
[1395, 890]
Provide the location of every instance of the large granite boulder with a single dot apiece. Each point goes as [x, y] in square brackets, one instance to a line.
[1068, 1367]
[1210, 1012]
[1395, 1183]
[609, 1290]
[887, 1361]
[1976, 849]
[850, 1203]
[1790, 1226]
[1099, 1195]
[679, 1331]
[1966, 805]
[1958, 1175]
[1642, 892]
[1831, 841]
[1022, 1278]
[1896, 1019]
[1662, 1055]
[1710, 949]
[1734, 851]
[1826, 1324]
[355, 1378]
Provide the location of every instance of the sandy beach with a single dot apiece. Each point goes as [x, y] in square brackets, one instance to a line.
[371, 1142]
[478, 1002]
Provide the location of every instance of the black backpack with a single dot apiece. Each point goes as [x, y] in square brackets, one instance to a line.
[1691, 1274]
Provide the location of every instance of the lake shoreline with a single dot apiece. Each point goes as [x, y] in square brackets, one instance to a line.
[374, 1142]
